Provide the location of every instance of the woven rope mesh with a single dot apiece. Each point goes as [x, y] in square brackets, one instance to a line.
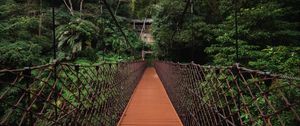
[229, 96]
[67, 94]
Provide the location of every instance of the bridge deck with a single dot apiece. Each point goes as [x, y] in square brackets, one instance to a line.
[150, 104]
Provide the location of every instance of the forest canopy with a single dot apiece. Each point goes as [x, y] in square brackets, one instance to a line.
[84, 30]
[202, 31]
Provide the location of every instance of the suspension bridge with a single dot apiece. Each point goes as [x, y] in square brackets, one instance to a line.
[129, 93]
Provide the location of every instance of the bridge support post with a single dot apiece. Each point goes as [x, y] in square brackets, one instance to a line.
[79, 85]
[28, 81]
[236, 72]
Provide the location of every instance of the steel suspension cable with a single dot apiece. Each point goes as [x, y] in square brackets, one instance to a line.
[236, 31]
[118, 25]
[180, 22]
[54, 57]
[53, 31]
[237, 50]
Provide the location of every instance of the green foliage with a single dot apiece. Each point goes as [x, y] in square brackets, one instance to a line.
[76, 35]
[113, 58]
[114, 41]
[279, 59]
[8, 9]
[89, 54]
[268, 39]
[20, 53]
[265, 39]
[118, 44]
[81, 35]
[142, 8]
[181, 37]
[86, 38]
[21, 42]
[207, 33]
[132, 5]
[268, 35]
[20, 28]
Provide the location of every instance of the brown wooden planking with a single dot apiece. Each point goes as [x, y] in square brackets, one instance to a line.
[150, 105]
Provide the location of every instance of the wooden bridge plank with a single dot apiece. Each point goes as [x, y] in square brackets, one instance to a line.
[150, 104]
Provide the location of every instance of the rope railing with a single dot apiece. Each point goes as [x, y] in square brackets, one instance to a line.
[230, 96]
[67, 94]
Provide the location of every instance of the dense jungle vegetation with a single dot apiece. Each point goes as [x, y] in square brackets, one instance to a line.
[85, 32]
[202, 31]
[268, 33]
[197, 30]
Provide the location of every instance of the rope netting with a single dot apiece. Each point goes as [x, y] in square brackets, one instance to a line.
[67, 94]
[211, 96]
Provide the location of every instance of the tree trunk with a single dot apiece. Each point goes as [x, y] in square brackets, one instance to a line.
[69, 5]
[41, 18]
[81, 5]
[117, 8]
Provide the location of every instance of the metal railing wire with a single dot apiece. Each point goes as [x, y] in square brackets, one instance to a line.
[230, 96]
[75, 95]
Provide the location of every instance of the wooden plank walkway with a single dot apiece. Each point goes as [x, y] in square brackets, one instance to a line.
[150, 105]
